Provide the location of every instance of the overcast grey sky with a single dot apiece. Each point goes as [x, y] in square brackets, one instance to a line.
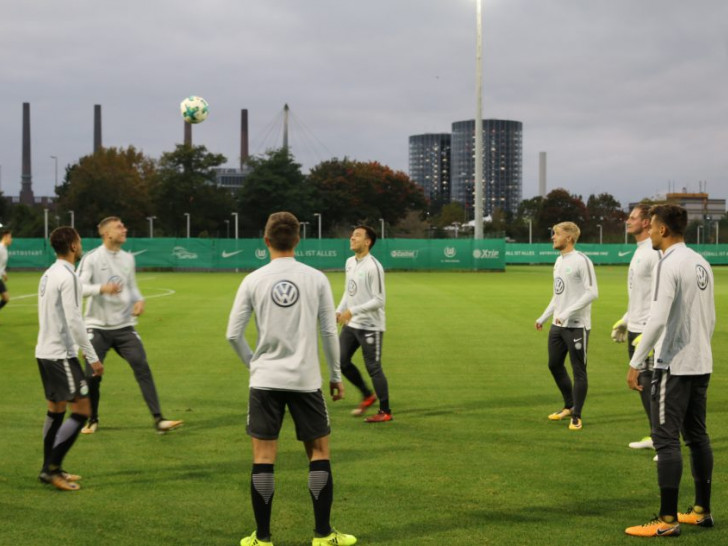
[626, 96]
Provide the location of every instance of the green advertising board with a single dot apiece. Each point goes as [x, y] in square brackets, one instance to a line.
[330, 254]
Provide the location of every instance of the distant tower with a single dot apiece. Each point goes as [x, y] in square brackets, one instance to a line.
[188, 133]
[285, 126]
[244, 152]
[26, 180]
[542, 174]
[97, 128]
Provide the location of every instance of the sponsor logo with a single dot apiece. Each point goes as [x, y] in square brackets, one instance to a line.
[226, 254]
[352, 287]
[486, 254]
[261, 253]
[404, 253]
[702, 276]
[284, 293]
[137, 252]
[450, 252]
[558, 285]
[623, 253]
[183, 254]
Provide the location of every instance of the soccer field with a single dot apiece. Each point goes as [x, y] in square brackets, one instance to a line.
[469, 459]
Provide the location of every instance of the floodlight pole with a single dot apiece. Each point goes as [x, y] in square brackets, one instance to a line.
[235, 215]
[478, 232]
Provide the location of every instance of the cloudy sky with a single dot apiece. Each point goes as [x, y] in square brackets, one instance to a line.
[626, 96]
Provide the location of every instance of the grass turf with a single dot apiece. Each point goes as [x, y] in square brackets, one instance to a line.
[469, 459]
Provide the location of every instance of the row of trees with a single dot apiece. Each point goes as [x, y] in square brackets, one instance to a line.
[126, 183]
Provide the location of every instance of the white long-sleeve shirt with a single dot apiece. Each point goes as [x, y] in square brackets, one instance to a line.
[575, 287]
[61, 328]
[364, 294]
[682, 315]
[3, 259]
[639, 285]
[101, 266]
[291, 302]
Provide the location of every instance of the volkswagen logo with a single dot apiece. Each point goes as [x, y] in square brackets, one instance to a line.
[558, 285]
[702, 275]
[352, 287]
[284, 293]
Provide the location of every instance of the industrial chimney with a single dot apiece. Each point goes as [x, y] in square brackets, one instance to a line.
[542, 174]
[26, 180]
[97, 128]
[244, 151]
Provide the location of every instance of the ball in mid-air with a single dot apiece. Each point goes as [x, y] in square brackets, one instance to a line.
[194, 109]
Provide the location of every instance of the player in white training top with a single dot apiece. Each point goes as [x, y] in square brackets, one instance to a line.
[60, 334]
[575, 287]
[679, 329]
[6, 239]
[292, 303]
[361, 312]
[639, 283]
[108, 274]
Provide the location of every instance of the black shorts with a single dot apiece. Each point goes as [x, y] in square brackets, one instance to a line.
[63, 380]
[266, 409]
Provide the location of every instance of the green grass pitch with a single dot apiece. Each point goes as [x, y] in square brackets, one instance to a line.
[469, 459]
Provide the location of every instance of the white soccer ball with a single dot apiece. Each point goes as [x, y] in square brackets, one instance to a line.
[194, 109]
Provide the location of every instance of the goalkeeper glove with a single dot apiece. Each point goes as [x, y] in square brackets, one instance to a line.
[619, 331]
[636, 341]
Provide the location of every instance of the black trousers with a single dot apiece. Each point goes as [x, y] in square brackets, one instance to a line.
[573, 342]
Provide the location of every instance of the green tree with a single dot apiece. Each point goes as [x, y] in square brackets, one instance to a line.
[26, 221]
[353, 192]
[604, 210]
[275, 183]
[110, 182]
[185, 183]
[560, 206]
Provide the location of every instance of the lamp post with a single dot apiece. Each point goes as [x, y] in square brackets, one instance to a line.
[55, 160]
[600, 233]
[187, 214]
[530, 231]
[717, 231]
[304, 224]
[381, 221]
[235, 214]
[45, 223]
[227, 228]
[318, 215]
[73, 218]
[478, 232]
[700, 228]
[625, 233]
[151, 226]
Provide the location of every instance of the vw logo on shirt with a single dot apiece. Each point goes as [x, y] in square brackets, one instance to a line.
[702, 276]
[352, 287]
[558, 285]
[284, 293]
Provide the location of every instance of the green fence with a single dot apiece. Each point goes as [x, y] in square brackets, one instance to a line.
[213, 254]
[413, 254]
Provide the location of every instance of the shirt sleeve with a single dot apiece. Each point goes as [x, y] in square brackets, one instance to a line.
[71, 302]
[664, 289]
[329, 335]
[136, 295]
[85, 274]
[548, 311]
[237, 323]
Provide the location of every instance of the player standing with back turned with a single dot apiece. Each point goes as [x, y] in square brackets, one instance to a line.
[291, 302]
[680, 328]
[575, 287]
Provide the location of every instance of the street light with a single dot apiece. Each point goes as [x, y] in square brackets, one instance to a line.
[227, 228]
[717, 231]
[304, 224]
[478, 232]
[381, 221]
[235, 214]
[45, 223]
[151, 226]
[600, 233]
[55, 160]
[318, 214]
[700, 228]
[73, 218]
[625, 233]
[530, 231]
[187, 214]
